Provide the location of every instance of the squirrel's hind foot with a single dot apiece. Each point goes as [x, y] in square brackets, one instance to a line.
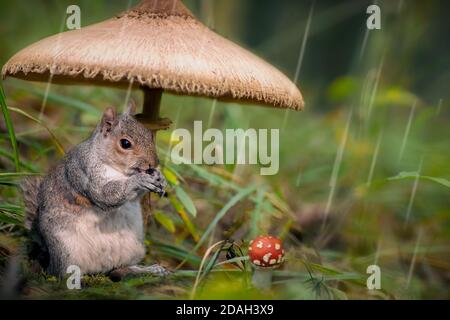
[154, 269]
[136, 271]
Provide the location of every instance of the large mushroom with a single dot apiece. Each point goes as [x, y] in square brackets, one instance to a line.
[156, 46]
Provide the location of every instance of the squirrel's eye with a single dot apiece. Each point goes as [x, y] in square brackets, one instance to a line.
[125, 144]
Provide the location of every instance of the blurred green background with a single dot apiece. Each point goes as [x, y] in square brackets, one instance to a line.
[364, 170]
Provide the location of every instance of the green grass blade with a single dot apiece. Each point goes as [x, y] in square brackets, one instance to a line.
[179, 208]
[17, 174]
[212, 261]
[10, 128]
[26, 165]
[11, 214]
[63, 100]
[256, 214]
[233, 260]
[58, 145]
[235, 199]
[165, 221]
[10, 220]
[175, 252]
[13, 179]
[413, 175]
[186, 200]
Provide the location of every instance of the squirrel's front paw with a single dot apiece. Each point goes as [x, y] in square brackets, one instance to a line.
[152, 180]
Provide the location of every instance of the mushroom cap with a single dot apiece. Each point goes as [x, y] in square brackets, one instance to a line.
[266, 252]
[158, 44]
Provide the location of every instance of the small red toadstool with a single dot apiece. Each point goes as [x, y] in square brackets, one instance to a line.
[265, 254]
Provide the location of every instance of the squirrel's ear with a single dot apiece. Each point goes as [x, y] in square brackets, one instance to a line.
[131, 108]
[108, 119]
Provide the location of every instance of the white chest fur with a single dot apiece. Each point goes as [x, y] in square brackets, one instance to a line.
[109, 173]
[104, 241]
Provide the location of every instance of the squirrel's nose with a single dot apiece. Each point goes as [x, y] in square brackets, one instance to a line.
[156, 173]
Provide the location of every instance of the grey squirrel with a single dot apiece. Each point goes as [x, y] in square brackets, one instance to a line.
[86, 211]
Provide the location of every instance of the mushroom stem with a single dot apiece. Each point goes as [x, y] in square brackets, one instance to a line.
[150, 118]
[262, 278]
[152, 102]
[150, 112]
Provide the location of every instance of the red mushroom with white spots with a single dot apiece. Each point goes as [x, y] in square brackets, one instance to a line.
[265, 253]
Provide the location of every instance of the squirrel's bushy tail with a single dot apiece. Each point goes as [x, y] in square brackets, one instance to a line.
[30, 189]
